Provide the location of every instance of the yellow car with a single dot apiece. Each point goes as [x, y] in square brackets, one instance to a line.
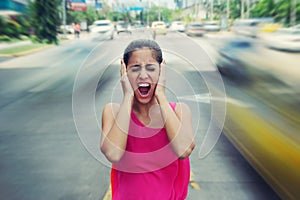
[159, 27]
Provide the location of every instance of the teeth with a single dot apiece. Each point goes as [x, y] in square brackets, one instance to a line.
[144, 85]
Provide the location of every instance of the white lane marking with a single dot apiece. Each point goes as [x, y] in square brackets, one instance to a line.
[207, 98]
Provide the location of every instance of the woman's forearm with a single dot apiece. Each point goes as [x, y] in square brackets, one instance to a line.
[178, 128]
[114, 143]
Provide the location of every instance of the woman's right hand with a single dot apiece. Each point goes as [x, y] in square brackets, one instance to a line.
[126, 86]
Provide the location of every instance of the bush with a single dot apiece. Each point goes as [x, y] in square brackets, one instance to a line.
[12, 29]
[2, 24]
[24, 23]
[4, 38]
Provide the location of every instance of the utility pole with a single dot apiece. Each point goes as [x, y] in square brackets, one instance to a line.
[293, 12]
[211, 10]
[64, 17]
[227, 9]
[159, 14]
[242, 9]
[96, 4]
[148, 13]
[248, 8]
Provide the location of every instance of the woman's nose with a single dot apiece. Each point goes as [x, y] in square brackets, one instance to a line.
[143, 74]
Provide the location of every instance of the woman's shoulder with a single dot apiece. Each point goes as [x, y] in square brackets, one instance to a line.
[180, 107]
[111, 109]
[177, 105]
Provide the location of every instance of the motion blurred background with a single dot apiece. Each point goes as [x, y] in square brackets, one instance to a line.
[253, 46]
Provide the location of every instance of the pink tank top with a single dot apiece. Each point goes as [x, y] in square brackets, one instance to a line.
[149, 169]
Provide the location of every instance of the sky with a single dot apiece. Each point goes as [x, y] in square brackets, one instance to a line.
[167, 3]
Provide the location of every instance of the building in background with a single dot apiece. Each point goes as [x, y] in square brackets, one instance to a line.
[13, 7]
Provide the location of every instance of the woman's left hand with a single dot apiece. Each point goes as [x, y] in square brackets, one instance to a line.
[160, 88]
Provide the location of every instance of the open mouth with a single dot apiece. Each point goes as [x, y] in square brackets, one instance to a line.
[144, 89]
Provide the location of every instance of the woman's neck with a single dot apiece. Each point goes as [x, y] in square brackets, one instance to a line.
[143, 109]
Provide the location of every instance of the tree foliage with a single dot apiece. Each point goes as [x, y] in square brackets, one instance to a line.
[45, 20]
[264, 8]
[280, 10]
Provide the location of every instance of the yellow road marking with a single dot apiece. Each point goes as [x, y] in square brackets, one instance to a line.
[107, 195]
[193, 183]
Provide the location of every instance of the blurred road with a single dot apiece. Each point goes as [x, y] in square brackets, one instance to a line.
[50, 115]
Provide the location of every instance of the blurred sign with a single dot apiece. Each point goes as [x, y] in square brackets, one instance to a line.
[78, 5]
[136, 8]
[25, 2]
[98, 5]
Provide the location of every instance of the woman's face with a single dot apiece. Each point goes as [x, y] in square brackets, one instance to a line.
[143, 73]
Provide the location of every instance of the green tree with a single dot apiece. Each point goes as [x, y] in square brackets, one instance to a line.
[12, 29]
[176, 14]
[76, 16]
[91, 15]
[2, 25]
[166, 14]
[24, 23]
[264, 8]
[45, 20]
[115, 16]
[235, 9]
[282, 10]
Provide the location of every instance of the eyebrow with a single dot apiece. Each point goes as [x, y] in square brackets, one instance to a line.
[138, 65]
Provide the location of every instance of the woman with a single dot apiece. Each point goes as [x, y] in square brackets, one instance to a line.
[147, 139]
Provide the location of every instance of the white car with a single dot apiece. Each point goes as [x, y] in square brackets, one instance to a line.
[195, 29]
[284, 39]
[103, 27]
[122, 26]
[212, 26]
[177, 26]
[69, 29]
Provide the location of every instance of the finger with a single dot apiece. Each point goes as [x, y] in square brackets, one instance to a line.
[121, 61]
[163, 69]
[122, 67]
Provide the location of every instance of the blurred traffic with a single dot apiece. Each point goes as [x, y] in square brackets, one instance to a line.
[254, 48]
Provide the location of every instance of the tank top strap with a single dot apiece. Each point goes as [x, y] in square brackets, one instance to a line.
[173, 105]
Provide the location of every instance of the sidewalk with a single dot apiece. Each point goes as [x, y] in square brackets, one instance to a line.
[8, 46]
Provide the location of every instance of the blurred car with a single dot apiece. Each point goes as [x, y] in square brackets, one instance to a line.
[123, 27]
[246, 27]
[211, 26]
[284, 39]
[269, 27]
[195, 29]
[177, 26]
[68, 28]
[159, 27]
[137, 26]
[231, 60]
[296, 26]
[103, 27]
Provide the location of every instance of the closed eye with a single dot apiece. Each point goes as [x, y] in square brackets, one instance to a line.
[151, 67]
[135, 68]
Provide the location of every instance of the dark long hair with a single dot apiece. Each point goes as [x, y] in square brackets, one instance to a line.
[142, 44]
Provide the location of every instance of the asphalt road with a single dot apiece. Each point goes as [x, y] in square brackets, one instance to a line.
[50, 116]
